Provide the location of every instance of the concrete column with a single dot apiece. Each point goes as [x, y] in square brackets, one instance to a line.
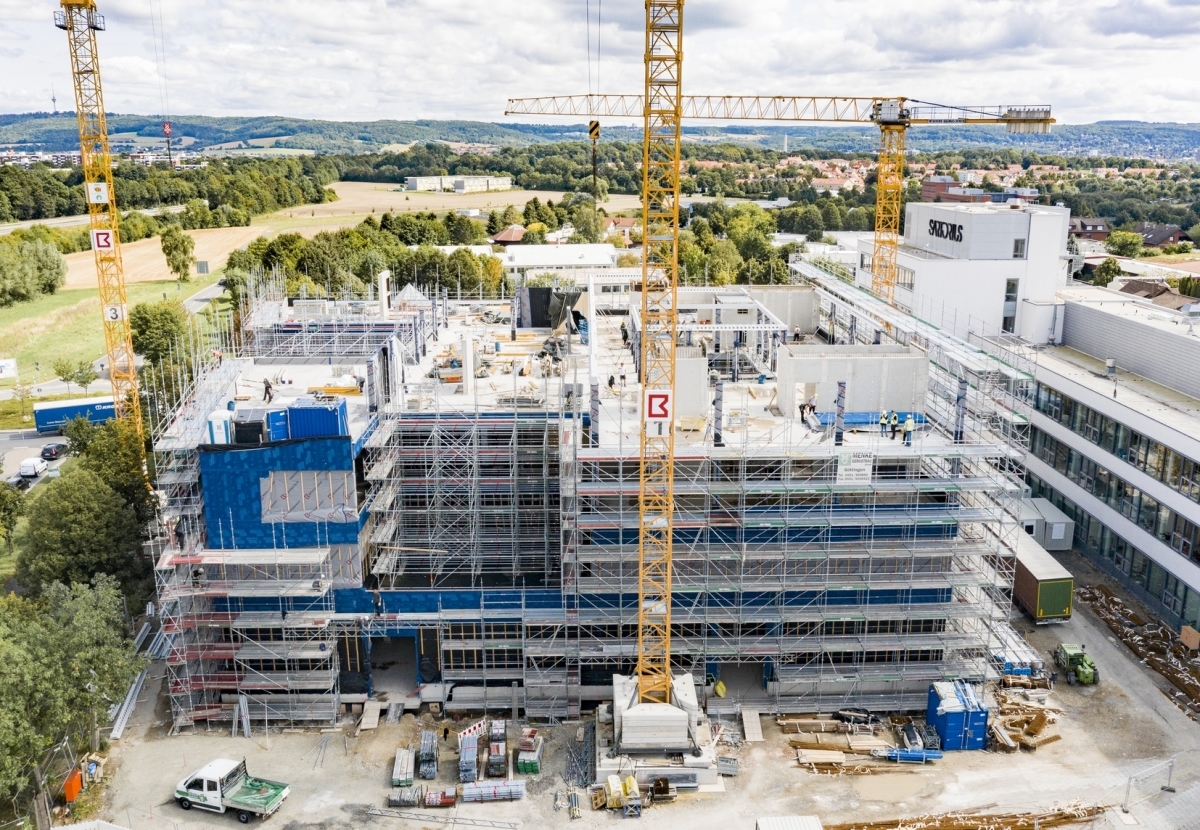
[383, 293]
[719, 415]
[839, 424]
[594, 413]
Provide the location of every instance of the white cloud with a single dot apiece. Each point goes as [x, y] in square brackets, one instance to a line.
[409, 59]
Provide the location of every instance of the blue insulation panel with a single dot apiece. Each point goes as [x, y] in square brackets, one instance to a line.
[230, 478]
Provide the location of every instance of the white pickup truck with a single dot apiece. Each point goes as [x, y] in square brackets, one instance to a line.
[223, 785]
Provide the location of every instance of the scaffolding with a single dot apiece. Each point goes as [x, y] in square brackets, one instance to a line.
[250, 631]
[847, 574]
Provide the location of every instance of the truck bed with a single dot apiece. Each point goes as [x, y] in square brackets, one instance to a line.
[257, 794]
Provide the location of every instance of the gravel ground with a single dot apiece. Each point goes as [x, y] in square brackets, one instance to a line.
[1110, 731]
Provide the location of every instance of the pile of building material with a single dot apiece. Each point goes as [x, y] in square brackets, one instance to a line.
[468, 758]
[406, 796]
[529, 761]
[1013, 657]
[1154, 643]
[1058, 816]
[428, 756]
[1022, 721]
[497, 763]
[402, 769]
[441, 798]
[850, 744]
[500, 791]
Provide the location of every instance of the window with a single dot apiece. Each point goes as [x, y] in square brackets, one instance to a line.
[1010, 288]
[905, 277]
[1018, 249]
[1009, 324]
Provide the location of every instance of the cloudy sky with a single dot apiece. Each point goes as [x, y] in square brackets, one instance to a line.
[408, 59]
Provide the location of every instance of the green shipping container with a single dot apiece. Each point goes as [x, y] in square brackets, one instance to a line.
[1041, 586]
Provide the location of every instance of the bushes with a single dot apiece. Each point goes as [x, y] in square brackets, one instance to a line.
[29, 269]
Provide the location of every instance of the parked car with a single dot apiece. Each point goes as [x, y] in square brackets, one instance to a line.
[19, 481]
[55, 451]
[33, 467]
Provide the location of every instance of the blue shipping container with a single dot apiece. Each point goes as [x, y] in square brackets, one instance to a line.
[52, 416]
[958, 715]
[277, 425]
[318, 420]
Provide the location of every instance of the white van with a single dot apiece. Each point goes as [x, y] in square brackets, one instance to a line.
[33, 467]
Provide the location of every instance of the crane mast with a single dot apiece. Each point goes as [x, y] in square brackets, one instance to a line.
[662, 116]
[81, 20]
[893, 117]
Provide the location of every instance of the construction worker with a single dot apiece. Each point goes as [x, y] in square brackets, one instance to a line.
[909, 426]
[894, 422]
[268, 394]
[621, 372]
[883, 423]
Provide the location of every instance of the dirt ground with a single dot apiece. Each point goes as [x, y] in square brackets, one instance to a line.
[1110, 731]
[144, 261]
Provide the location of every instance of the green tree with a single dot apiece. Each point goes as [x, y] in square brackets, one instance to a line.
[12, 504]
[48, 264]
[18, 277]
[79, 433]
[1124, 243]
[1193, 233]
[495, 223]
[1190, 287]
[64, 370]
[85, 375]
[114, 453]
[78, 527]
[178, 248]
[749, 227]
[157, 328]
[1106, 272]
[63, 658]
[723, 262]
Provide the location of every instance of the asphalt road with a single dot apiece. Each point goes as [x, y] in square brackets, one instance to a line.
[18, 444]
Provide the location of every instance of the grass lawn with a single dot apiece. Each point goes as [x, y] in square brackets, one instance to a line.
[67, 324]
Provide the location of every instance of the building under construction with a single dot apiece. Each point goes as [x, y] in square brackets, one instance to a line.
[447, 509]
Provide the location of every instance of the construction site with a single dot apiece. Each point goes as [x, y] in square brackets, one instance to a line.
[727, 555]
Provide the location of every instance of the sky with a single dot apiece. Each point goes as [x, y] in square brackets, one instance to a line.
[366, 60]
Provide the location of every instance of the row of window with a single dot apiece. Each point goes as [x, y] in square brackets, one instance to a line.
[1154, 459]
[1146, 512]
[1094, 537]
[831, 628]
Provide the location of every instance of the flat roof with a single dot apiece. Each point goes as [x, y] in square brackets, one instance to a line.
[1167, 406]
[560, 256]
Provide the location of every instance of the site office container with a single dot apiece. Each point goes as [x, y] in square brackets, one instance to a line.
[957, 714]
[1042, 586]
[310, 418]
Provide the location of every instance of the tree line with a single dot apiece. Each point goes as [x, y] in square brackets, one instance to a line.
[250, 185]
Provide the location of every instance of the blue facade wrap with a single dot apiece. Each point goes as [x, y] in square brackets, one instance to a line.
[230, 477]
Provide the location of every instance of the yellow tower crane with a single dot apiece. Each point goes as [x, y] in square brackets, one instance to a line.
[81, 20]
[893, 116]
[662, 118]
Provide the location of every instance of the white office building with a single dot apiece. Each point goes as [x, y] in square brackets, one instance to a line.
[458, 184]
[980, 267]
[1113, 441]
[532, 260]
